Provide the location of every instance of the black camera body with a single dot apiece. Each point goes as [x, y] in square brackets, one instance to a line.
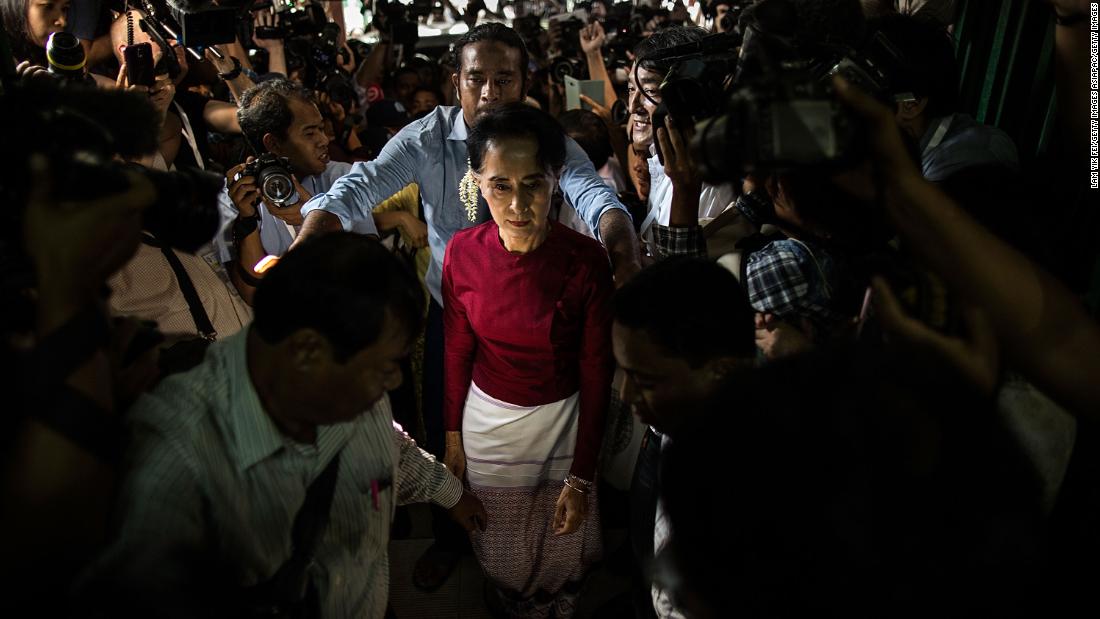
[273, 178]
[566, 59]
[401, 21]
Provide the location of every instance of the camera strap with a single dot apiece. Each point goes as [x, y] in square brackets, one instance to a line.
[194, 304]
[291, 591]
[189, 135]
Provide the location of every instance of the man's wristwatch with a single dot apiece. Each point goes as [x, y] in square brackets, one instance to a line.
[234, 73]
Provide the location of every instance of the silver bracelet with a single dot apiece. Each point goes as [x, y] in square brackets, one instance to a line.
[570, 485]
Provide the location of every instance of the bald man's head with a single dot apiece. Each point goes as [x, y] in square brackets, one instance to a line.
[120, 39]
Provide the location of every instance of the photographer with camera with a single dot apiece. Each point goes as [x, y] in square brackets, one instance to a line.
[676, 189]
[187, 115]
[264, 195]
[76, 215]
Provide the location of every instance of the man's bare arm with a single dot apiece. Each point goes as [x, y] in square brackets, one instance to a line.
[621, 242]
[315, 224]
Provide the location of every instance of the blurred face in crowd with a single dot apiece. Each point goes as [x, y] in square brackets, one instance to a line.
[719, 12]
[334, 392]
[661, 390]
[489, 73]
[404, 87]
[45, 17]
[305, 144]
[643, 97]
[423, 102]
[518, 190]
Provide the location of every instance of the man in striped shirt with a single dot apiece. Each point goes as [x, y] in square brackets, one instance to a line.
[224, 457]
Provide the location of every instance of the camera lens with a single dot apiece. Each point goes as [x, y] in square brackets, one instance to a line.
[65, 55]
[276, 186]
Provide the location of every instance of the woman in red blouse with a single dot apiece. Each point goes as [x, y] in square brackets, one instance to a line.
[527, 319]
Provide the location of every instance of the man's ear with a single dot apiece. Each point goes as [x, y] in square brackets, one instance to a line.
[309, 350]
[911, 110]
[271, 143]
[454, 82]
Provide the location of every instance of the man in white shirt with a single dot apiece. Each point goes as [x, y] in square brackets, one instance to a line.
[643, 90]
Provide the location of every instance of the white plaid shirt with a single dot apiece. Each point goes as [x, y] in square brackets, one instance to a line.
[210, 475]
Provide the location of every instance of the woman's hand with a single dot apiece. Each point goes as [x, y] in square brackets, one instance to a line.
[455, 457]
[570, 511]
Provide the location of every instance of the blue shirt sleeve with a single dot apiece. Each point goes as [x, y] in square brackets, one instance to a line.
[354, 196]
[325, 182]
[586, 191]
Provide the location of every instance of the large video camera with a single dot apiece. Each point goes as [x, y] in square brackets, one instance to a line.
[763, 101]
[624, 27]
[400, 21]
[296, 18]
[80, 130]
[194, 23]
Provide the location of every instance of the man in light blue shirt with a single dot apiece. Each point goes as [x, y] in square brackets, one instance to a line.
[431, 152]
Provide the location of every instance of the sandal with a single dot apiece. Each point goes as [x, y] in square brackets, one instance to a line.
[434, 567]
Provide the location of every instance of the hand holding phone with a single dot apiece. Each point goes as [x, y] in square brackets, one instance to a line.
[139, 64]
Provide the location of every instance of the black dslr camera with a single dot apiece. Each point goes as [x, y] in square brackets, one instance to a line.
[566, 60]
[273, 177]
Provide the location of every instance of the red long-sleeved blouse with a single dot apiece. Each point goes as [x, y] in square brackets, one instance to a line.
[529, 329]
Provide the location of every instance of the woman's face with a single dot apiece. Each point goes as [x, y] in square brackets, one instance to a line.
[45, 17]
[518, 191]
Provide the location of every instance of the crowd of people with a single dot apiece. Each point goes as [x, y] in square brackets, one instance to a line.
[769, 292]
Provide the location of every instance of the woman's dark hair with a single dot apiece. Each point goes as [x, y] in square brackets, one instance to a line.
[498, 33]
[265, 108]
[590, 132]
[341, 285]
[14, 15]
[517, 120]
[692, 308]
